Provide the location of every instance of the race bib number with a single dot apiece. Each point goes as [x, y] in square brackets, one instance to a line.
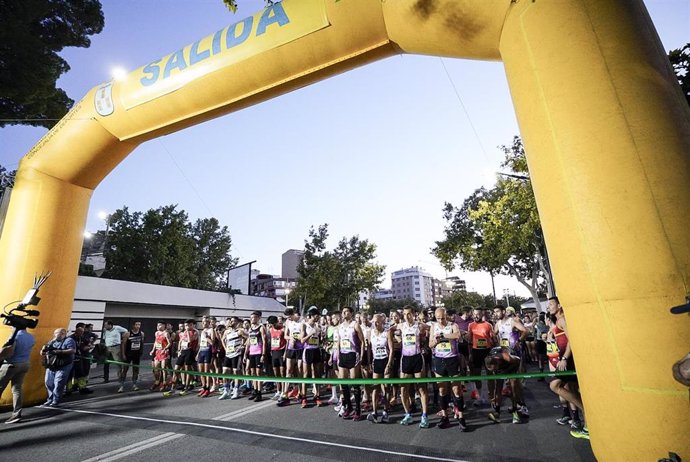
[552, 348]
[381, 352]
[184, 345]
[296, 336]
[253, 341]
[504, 342]
[443, 347]
[345, 344]
[482, 343]
[203, 343]
[275, 342]
[158, 345]
[410, 340]
[136, 345]
[313, 341]
[230, 348]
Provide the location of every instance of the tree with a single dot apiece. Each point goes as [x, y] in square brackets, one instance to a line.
[6, 179]
[456, 300]
[161, 246]
[680, 60]
[32, 33]
[498, 230]
[390, 304]
[335, 278]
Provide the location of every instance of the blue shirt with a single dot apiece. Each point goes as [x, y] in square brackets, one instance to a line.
[22, 347]
[66, 344]
[113, 337]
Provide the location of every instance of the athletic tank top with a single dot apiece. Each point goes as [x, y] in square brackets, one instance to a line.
[507, 336]
[277, 339]
[189, 340]
[379, 344]
[561, 339]
[135, 343]
[411, 341]
[205, 339]
[314, 341]
[349, 340]
[294, 329]
[445, 348]
[161, 341]
[233, 343]
[481, 335]
[256, 343]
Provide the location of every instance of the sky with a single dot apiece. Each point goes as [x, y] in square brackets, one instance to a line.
[374, 152]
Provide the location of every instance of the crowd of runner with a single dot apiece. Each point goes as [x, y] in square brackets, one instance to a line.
[406, 344]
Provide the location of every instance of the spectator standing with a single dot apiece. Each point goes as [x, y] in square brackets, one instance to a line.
[56, 376]
[115, 339]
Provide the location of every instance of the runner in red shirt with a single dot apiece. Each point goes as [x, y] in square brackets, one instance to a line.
[480, 339]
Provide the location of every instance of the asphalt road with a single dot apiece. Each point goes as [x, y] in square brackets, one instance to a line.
[146, 426]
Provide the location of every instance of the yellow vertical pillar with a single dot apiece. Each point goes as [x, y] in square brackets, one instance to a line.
[607, 133]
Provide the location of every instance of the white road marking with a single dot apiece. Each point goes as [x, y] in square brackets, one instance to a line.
[267, 435]
[134, 448]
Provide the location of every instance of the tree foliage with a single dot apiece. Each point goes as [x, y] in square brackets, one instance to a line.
[32, 33]
[498, 230]
[389, 304]
[161, 246]
[334, 278]
[680, 60]
[460, 298]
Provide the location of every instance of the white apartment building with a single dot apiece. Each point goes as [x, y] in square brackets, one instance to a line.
[413, 283]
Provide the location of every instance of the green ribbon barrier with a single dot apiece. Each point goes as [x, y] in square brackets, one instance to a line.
[360, 381]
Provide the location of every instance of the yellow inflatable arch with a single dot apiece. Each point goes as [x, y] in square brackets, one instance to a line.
[604, 123]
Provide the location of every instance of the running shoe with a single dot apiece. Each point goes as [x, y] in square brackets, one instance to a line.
[201, 392]
[371, 417]
[235, 394]
[294, 393]
[206, 394]
[462, 425]
[384, 418]
[213, 389]
[252, 397]
[121, 389]
[347, 415]
[357, 416]
[14, 419]
[162, 387]
[304, 404]
[576, 425]
[565, 420]
[516, 418]
[338, 408]
[258, 398]
[444, 423]
[424, 423]
[184, 392]
[580, 433]
[523, 411]
[495, 417]
[318, 401]
[333, 400]
[168, 393]
[135, 388]
[475, 394]
[154, 386]
[407, 420]
[276, 396]
[225, 395]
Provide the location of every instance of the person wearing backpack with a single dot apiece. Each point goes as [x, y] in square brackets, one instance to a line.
[58, 356]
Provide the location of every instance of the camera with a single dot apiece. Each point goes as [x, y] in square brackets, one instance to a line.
[20, 317]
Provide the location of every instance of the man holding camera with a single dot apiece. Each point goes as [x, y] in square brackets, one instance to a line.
[56, 375]
[15, 364]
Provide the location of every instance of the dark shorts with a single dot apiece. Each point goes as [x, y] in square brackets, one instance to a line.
[232, 363]
[348, 360]
[380, 366]
[294, 354]
[133, 359]
[541, 347]
[312, 355]
[204, 356]
[464, 349]
[185, 358]
[364, 362]
[255, 361]
[446, 367]
[478, 357]
[412, 364]
[395, 367]
[569, 367]
[277, 358]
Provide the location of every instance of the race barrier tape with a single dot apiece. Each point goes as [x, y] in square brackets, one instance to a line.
[358, 381]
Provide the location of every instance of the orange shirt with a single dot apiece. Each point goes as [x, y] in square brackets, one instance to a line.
[482, 335]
